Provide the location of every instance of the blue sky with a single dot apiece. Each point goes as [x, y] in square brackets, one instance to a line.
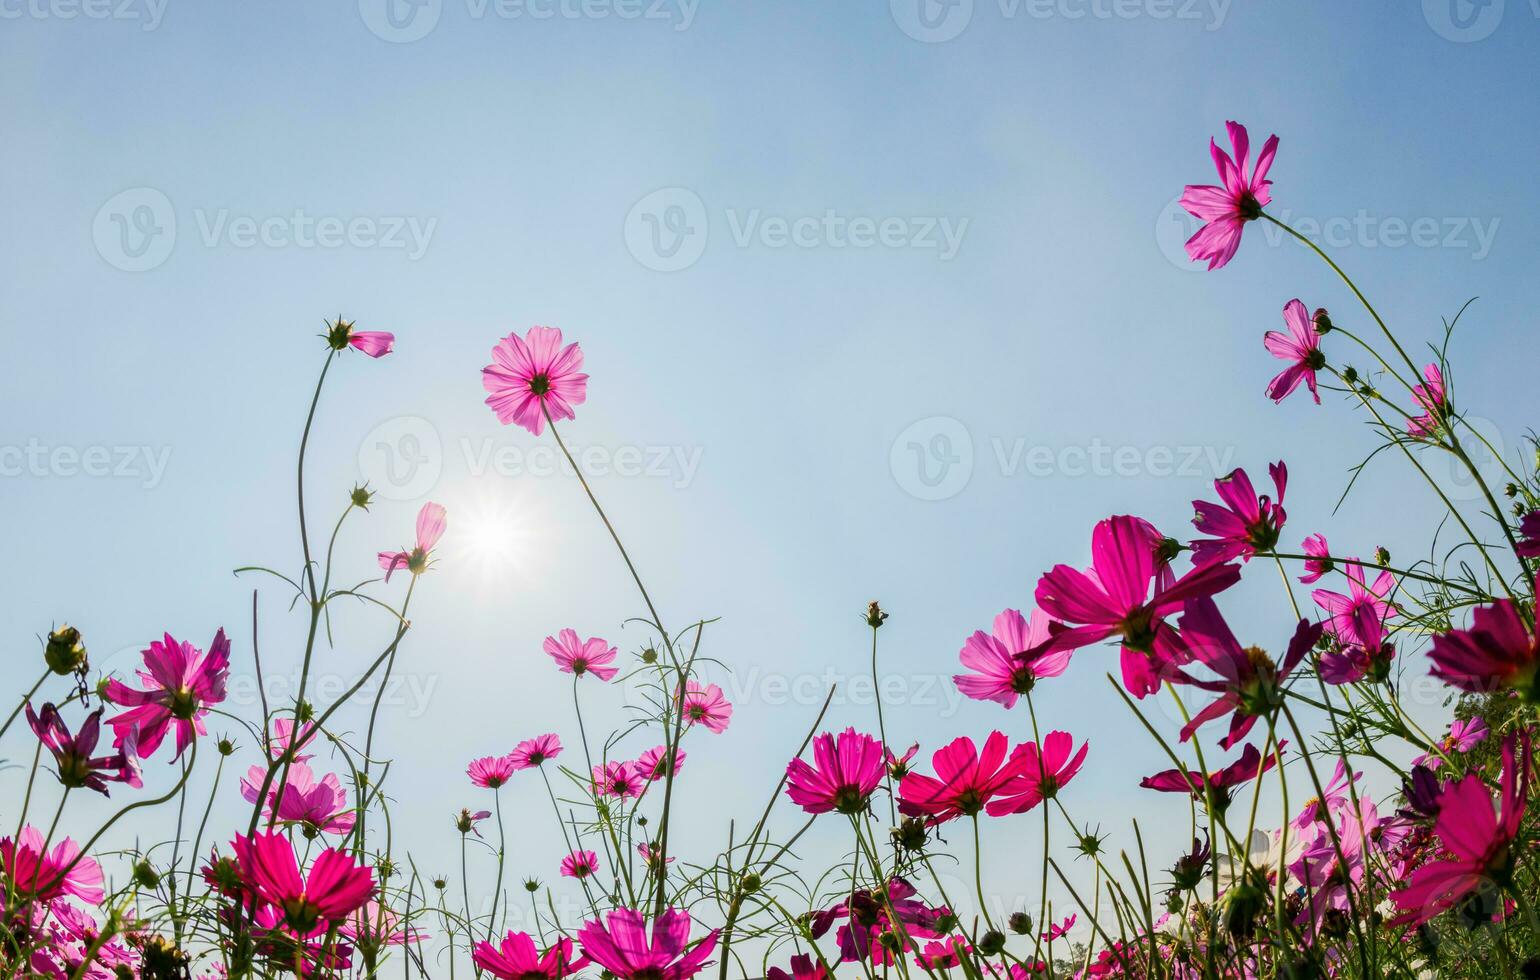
[807, 248]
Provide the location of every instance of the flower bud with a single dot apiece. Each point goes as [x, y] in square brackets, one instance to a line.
[1350, 374]
[1322, 320]
[225, 747]
[875, 617]
[1020, 923]
[889, 941]
[1511, 490]
[65, 654]
[1167, 550]
[649, 656]
[531, 885]
[440, 884]
[1381, 557]
[361, 497]
[992, 943]
[1242, 906]
[337, 333]
[945, 923]
[145, 875]
[751, 883]
[910, 834]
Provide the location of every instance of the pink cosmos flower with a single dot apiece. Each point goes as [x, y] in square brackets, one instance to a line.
[373, 927]
[618, 779]
[898, 765]
[1464, 735]
[1478, 839]
[1040, 774]
[1431, 395]
[944, 955]
[1250, 684]
[60, 872]
[803, 967]
[1058, 930]
[466, 821]
[579, 864]
[1301, 346]
[1226, 209]
[1217, 790]
[848, 768]
[180, 682]
[430, 527]
[535, 751]
[490, 772]
[869, 912]
[707, 705]
[375, 343]
[1245, 524]
[590, 656]
[334, 889]
[1529, 531]
[621, 945]
[532, 375]
[320, 806]
[651, 854]
[1499, 650]
[1114, 597]
[1318, 559]
[77, 767]
[1358, 618]
[283, 734]
[1008, 663]
[519, 959]
[966, 779]
[652, 764]
[1336, 796]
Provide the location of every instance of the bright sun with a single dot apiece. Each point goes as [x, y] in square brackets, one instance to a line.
[494, 538]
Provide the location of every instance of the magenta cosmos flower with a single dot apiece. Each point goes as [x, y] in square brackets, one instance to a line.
[579, 864]
[1317, 559]
[72, 754]
[1245, 523]
[1040, 774]
[1250, 684]
[1529, 531]
[1114, 598]
[60, 872]
[532, 375]
[618, 779]
[490, 772]
[1432, 396]
[430, 527]
[1478, 839]
[1007, 663]
[180, 683]
[519, 959]
[375, 343]
[1058, 930]
[966, 779]
[1358, 618]
[1216, 791]
[653, 765]
[1464, 735]
[335, 888]
[707, 705]
[591, 656]
[318, 805]
[847, 769]
[1301, 347]
[1498, 651]
[1226, 209]
[803, 967]
[535, 751]
[621, 945]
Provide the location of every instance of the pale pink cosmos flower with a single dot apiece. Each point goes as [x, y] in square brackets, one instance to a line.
[652, 764]
[579, 864]
[283, 735]
[579, 657]
[622, 946]
[1335, 796]
[1301, 347]
[1464, 735]
[898, 765]
[59, 872]
[1433, 397]
[181, 683]
[374, 927]
[319, 805]
[707, 705]
[1318, 559]
[430, 527]
[618, 779]
[532, 375]
[1007, 663]
[1226, 209]
[491, 771]
[846, 770]
[535, 751]
[650, 855]
[375, 343]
